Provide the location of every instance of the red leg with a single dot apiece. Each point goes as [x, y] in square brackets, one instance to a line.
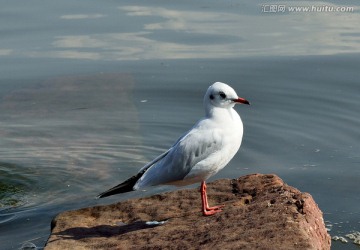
[206, 210]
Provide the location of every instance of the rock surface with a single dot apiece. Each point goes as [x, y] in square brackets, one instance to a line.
[261, 212]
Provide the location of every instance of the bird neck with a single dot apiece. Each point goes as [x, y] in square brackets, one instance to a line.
[222, 114]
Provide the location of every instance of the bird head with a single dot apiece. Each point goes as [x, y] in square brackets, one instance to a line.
[222, 95]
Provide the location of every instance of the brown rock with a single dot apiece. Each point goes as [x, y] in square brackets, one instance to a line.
[261, 212]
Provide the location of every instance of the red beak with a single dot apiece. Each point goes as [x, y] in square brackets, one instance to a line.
[241, 100]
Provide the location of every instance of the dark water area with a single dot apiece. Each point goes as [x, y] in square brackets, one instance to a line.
[90, 93]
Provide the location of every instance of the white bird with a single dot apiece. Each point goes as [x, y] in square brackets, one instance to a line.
[198, 154]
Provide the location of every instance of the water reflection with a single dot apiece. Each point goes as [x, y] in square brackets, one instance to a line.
[214, 34]
[139, 32]
[6, 52]
[15, 184]
[59, 135]
[82, 16]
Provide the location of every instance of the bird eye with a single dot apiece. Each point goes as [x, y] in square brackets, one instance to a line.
[222, 95]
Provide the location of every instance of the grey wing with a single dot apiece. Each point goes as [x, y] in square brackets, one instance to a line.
[192, 148]
[148, 165]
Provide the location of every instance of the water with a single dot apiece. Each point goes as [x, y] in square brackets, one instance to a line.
[90, 92]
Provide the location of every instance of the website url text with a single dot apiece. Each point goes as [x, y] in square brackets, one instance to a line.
[278, 8]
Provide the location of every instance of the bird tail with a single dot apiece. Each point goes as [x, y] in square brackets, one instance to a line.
[126, 186]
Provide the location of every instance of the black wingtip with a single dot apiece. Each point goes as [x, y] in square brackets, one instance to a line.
[124, 187]
[115, 190]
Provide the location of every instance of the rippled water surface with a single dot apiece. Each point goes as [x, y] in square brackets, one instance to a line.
[89, 92]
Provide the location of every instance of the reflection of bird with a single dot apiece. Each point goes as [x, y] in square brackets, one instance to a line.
[198, 154]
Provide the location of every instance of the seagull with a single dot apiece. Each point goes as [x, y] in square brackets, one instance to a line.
[200, 153]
